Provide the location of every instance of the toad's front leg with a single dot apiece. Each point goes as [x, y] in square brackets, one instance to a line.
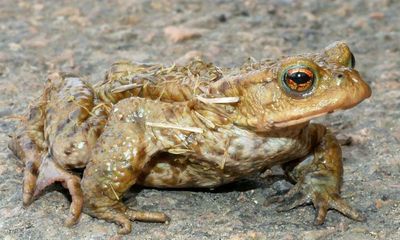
[117, 161]
[318, 178]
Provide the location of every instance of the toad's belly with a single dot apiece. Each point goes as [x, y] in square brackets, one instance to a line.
[210, 169]
[219, 157]
[178, 174]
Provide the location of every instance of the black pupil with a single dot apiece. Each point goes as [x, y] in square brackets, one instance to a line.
[299, 77]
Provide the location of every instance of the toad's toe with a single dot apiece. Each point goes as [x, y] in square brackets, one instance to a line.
[29, 184]
[118, 213]
[144, 216]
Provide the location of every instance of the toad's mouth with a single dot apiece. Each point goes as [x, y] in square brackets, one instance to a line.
[299, 120]
[294, 120]
[303, 119]
[306, 118]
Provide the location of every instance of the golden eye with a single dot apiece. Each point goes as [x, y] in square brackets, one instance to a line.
[299, 79]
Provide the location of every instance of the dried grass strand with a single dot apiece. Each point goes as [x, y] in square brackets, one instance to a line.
[218, 100]
[126, 87]
[166, 125]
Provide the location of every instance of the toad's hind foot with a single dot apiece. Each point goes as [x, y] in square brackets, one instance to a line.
[50, 172]
[320, 195]
[29, 183]
[24, 148]
[123, 216]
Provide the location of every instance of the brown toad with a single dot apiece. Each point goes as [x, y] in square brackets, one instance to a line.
[191, 126]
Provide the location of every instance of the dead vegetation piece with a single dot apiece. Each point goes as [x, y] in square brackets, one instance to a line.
[180, 34]
[73, 14]
[102, 107]
[377, 15]
[20, 118]
[179, 151]
[115, 194]
[204, 120]
[130, 20]
[126, 87]
[189, 57]
[318, 234]
[173, 126]
[72, 99]
[39, 41]
[218, 100]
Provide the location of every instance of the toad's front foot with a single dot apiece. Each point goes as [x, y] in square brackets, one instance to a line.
[316, 189]
[318, 178]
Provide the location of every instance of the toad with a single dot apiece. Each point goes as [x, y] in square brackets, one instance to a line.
[190, 126]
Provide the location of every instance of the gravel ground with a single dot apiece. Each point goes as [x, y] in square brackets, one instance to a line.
[38, 37]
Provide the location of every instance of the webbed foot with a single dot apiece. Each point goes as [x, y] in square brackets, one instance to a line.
[50, 172]
[318, 191]
[25, 149]
[122, 215]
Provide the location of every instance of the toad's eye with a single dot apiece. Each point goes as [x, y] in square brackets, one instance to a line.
[299, 79]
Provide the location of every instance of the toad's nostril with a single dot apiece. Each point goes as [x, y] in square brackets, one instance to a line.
[67, 152]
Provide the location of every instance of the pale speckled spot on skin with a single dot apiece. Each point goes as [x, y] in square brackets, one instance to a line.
[108, 164]
[114, 148]
[130, 118]
[139, 113]
[278, 144]
[324, 102]
[81, 145]
[127, 154]
[243, 146]
[181, 136]
[97, 112]
[355, 80]
[339, 81]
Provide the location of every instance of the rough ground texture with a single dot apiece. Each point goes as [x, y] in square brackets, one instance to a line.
[38, 37]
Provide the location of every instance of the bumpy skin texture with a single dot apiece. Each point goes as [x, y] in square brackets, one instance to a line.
[191, 126]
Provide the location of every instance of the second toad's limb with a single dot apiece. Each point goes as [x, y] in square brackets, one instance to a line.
[29, 143]
[57, 136]
[318, 178]
[71, 131]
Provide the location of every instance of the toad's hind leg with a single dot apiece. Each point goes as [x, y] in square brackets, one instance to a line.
[318, 178]
[57, 136]
[68, 132]
[28, 143]
[117, 161]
